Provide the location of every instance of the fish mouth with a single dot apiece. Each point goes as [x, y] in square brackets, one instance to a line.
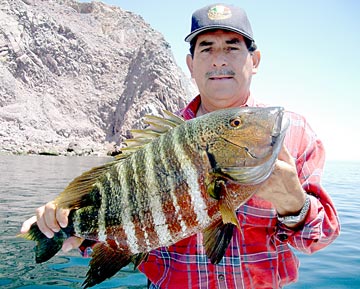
[279, 125]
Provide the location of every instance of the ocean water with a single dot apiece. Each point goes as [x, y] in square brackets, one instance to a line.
[27, 182]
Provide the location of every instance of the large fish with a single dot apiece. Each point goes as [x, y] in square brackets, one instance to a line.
[174, 179]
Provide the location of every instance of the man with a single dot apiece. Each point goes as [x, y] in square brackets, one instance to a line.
[290, 208]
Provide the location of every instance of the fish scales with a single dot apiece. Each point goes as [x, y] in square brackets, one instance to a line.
[135, 204]
[194, 167]
[181, 186]
[169, 202]
[170, 163]
[145, 217]
[171, 187]
[166, 183]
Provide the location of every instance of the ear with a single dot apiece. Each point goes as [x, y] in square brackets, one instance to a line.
[189, 62]
[256, 56]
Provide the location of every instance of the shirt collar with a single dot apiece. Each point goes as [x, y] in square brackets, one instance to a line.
[191, 109]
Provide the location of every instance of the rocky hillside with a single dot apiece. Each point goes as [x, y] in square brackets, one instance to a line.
[75, 77]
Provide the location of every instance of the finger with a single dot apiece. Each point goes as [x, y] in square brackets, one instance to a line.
[71, 243]
[27, 224]
[41, 222]
[50, 217]
[62, 217]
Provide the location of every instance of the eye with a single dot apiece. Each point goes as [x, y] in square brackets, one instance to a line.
[235, 122]
[233, 48]
[206, 50]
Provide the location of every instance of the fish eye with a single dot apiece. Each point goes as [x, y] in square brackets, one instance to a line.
[235, 122]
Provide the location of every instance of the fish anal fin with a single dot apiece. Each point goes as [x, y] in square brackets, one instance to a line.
[138, 258]
[216, 240]
[106, 261]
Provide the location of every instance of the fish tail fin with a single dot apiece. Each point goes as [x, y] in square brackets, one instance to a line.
[46, 247]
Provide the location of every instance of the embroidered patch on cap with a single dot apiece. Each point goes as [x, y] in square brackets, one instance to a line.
[219, 12]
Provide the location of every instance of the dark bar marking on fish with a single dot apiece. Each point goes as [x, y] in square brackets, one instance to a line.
[211, 159]
[114, 221]
[103, 213]
[146, 218]
[86, 217]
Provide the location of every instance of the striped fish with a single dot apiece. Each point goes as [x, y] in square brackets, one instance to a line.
[174, 179]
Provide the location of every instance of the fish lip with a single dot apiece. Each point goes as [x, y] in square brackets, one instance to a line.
[278, 124]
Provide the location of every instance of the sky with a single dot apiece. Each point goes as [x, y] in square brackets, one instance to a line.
[310, 58]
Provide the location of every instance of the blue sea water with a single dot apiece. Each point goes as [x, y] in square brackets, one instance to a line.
[27, 182]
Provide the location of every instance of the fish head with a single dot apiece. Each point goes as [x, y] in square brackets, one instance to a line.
[245, 142]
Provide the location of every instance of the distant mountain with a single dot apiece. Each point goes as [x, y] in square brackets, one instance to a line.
[75, 77]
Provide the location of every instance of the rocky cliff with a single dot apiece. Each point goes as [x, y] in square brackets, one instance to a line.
[75, 77]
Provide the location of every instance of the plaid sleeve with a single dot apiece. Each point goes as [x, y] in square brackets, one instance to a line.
[322, 225]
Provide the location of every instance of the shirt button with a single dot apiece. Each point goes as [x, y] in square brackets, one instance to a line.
[283, 237]
[221, 277]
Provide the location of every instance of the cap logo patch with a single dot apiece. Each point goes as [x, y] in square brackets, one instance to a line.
[219, 12]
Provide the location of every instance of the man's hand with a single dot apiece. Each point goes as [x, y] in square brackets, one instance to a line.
[283, 188]
[49, 220]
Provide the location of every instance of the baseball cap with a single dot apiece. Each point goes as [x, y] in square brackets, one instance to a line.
[220, 16]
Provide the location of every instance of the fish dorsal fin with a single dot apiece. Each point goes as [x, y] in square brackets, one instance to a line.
[74, 195]
[157, 127]
[167, 122]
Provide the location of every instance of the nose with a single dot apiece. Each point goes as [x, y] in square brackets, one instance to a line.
[219, 59]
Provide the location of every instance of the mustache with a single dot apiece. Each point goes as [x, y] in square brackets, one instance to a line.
[220, 72]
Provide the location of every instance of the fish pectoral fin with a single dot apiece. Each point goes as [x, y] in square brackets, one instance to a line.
[137, 259]
[226, 207]
[214, 183]
[216, 240]
[106, 261]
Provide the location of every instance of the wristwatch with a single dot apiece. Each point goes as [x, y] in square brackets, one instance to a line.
[295, 219]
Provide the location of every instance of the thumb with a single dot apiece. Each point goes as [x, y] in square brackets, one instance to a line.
[71, 243]
[285, 156]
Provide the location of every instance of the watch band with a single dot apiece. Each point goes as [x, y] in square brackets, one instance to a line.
[295, 219]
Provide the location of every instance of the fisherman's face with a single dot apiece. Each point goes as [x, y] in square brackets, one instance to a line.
[222, 67]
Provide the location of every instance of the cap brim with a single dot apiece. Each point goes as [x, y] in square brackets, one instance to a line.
[195, 33]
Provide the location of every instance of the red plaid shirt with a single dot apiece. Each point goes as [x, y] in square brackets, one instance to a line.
[259, 256]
